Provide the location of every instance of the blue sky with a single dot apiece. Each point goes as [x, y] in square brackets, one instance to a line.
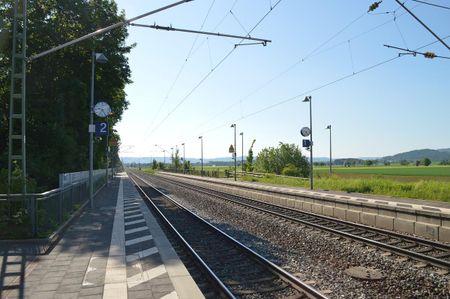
[397, 106]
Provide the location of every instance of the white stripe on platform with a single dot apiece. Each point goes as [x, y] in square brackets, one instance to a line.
[131, 207]
[135, 222]
[132, 216]
[138, 240]
[126, 207]
[135, 230]
[141, 254]
[115, 285]
[146, 276]
[172, 295]
[133, 211]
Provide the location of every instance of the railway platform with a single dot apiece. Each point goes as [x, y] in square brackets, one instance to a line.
[116, 250]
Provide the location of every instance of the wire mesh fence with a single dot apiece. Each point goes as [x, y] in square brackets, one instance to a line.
[40, 214]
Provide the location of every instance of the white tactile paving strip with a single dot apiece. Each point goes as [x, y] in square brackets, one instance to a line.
[144, 264]
[133, 261]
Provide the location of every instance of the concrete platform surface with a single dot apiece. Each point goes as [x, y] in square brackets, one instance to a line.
[116, 250]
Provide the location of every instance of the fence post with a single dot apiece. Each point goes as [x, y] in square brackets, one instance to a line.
[60, 207]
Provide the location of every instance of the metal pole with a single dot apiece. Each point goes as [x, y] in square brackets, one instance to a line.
[311, 140]
[184, 158]
[106, 153]
[201, 151]
[423, 24]
[91, 134]
[235, 152]
[331, 160]
[264, 41]
[242, 157]
[106, 29]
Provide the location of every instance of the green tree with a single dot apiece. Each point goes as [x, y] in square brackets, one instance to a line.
[154, 164]
[404, 162]
[175, 158]
[426, 162]
[58, 85]
[249, 164]
[369, 162]
[274, 160]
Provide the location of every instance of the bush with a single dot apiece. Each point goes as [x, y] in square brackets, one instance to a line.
[291, 170]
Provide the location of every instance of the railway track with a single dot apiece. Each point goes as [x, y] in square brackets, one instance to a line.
[427, 251]
[235, 269]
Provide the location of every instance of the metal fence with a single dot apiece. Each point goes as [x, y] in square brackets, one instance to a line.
[40, 214]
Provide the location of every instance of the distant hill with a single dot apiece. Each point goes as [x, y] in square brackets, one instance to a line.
[433, 155]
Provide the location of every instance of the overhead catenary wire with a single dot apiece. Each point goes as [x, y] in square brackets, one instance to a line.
[191, 52]
[400, 32]
[300, 95]
[423, 24]
[210, 72]
[431, 4]
[333, 36]
[291, 67]
[188, 56]
[430, 55]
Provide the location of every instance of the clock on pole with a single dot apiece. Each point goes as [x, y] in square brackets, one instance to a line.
[102, 109]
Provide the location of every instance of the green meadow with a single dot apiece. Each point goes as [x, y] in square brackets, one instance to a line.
[421, 182]
[417, 171]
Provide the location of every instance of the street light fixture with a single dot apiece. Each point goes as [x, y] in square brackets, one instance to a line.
[201, 159]
[242, 157]
[100, 58]
[234, 153]
[331, 161]
[311, 176]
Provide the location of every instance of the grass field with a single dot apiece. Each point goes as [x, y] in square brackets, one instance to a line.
[422, 189]
[422, 182]
[390, 170]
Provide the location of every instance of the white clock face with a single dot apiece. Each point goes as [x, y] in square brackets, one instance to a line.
[102, 109]
[305, 131]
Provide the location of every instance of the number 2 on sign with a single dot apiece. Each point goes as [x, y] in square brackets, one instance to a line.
[103, 128]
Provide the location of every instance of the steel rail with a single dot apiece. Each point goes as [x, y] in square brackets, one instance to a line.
[392, 235]
[438, 245]
[281, 273]
[216, 281]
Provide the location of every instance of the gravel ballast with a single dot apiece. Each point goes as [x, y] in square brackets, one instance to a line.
[314, 256]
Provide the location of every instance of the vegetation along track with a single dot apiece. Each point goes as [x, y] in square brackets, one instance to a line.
[239, 271]
[427, 251]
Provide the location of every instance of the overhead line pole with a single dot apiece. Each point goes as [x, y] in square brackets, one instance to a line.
[170, 28]
[106, 29]
[423, 24]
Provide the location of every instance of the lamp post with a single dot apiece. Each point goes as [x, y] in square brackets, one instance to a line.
[201, 159]
[101, 59]
[311, 176]
[234, 153]
[184, 157]
[242, 157]
[164, 152]
[331, 161]
[107, 151]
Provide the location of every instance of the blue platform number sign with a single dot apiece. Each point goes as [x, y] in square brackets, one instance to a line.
[306, 143]
[101, 128]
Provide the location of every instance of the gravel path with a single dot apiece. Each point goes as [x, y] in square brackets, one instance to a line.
[317, 256]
